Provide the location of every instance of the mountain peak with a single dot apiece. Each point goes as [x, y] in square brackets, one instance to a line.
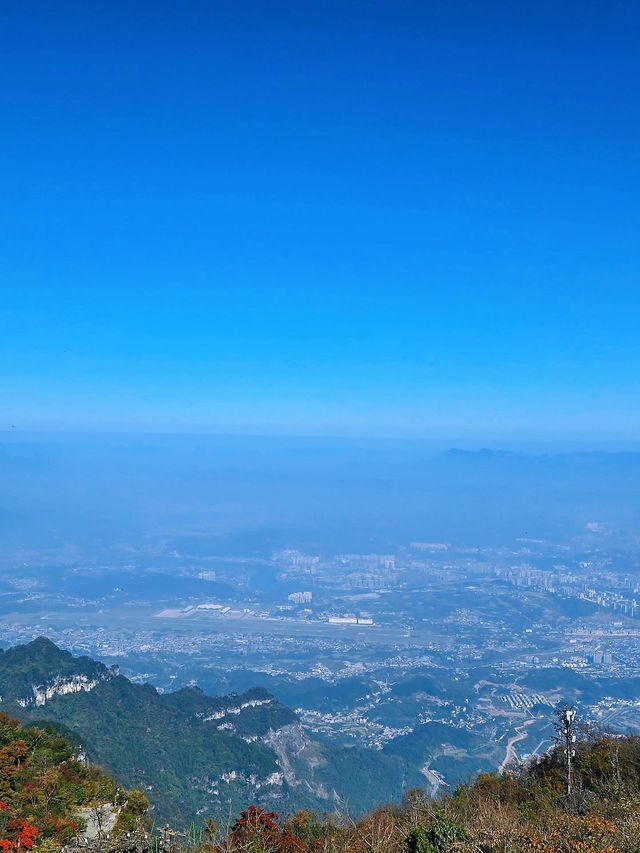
[43, 644]
[34, 673]
[40, 649]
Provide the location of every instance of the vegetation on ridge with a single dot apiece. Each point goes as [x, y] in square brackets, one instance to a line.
[44, 790]
[524, 811]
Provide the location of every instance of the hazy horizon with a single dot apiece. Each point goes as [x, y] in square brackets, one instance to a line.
[111, 492]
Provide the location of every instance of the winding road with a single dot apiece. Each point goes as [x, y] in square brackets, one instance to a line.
[510, 755]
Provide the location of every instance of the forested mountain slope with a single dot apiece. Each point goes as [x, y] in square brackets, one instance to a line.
[195, 755]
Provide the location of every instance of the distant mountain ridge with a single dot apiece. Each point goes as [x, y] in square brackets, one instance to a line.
[195, 755]
[606, 457]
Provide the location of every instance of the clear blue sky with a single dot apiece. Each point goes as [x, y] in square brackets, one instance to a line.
[344, 217]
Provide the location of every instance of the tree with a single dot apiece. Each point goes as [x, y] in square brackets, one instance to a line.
[259, 831]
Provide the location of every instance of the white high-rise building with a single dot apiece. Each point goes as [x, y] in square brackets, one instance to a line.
[300, 597]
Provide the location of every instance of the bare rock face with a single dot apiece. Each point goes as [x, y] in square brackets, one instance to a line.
[100, 821]
[297, 757]
[59, 686]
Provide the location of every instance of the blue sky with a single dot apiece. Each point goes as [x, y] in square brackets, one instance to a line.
[346, 218]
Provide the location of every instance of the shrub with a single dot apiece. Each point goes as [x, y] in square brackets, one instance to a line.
[440, 837]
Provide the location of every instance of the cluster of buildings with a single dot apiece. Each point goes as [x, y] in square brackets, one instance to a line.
[345, 571]
[599, 658]
[350, 620]
[561, 581]
[524, 701]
